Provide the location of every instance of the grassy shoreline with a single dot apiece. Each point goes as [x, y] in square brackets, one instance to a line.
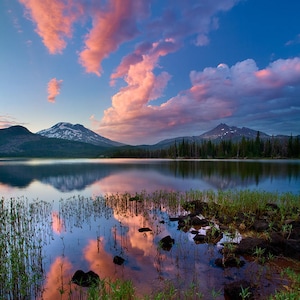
[26, 225]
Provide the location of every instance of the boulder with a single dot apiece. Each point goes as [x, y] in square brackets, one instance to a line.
[166, 243]
[260, 225]
[199, 222]
[229, 262]
[87, 279]
[234, 290]
[199, 238]
[144, 229]
[118, 260]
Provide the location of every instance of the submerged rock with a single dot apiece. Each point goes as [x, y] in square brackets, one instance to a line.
[229, 262]
[118, 260]
[234, 290]
[260, 225]
[199, 238]
[166, 243]
[199, 221]
[87, 279]
[144, 229]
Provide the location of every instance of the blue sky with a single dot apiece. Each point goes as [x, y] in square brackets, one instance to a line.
[141, 71]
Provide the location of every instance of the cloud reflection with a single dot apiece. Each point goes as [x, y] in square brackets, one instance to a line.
[58, 278]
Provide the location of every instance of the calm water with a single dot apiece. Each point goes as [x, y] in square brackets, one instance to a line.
[54, 179]
[87, 236]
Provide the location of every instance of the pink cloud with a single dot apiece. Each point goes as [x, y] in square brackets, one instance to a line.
[111, 26]
[8, 121]
[53, 19]
[54, 87]
[215, 94]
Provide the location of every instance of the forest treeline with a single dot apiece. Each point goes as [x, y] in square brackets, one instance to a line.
[245, 148]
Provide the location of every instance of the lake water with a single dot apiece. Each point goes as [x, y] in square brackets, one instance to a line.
[55, 179]
[87, 231]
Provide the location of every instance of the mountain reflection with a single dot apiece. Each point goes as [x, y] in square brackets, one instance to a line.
[144, 174]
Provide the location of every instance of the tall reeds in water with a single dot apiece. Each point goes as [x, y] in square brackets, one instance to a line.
[23, 231]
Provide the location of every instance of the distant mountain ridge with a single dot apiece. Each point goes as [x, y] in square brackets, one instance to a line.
[217, 134]
[69, 141]
[79, 133]
[223, 131]
[18, 141]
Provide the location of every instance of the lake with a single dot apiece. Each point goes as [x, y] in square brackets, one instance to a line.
[55, 179]
[89, 224]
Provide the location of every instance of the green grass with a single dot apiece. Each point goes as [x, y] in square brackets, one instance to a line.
[25, 227]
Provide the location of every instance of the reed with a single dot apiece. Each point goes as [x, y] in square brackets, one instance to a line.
[23, 231]
[26, 227]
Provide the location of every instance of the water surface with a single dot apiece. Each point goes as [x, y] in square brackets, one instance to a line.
[87, 231]
[52, 179]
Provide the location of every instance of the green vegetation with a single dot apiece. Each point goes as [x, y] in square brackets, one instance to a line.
[23, 230]
[25, 227]
[245, 148]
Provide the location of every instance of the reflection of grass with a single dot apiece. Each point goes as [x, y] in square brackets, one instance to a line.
[25, 228]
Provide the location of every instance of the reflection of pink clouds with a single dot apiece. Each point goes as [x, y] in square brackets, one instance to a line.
[6, 189]
[57, 223]
[141, 267]
[58, 278]
[139, 242]
[132, 182]
[100, 261]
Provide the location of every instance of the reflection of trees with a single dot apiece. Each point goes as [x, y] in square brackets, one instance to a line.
[235, 172]
[77, 176]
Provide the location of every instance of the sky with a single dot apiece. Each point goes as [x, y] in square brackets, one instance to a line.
[140, 71]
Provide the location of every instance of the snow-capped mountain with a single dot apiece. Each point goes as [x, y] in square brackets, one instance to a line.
[77, 132]
[219, 133]
[225, 132]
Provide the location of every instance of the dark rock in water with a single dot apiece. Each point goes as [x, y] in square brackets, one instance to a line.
[196, 206]
[166, 243]
[295, 230]
[249, 244]
[199, 238]
[118, 260]
[225, 219]
[280, 246]
[277, 245]
[260, 225]
[181, 223]
[135, 198]
[85, 279]
[144, 229]
[233, 291]
[197, 221]
[229, 262]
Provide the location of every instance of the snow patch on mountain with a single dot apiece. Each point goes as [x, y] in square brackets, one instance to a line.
[77, 132]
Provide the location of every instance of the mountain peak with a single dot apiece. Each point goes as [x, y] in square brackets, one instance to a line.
[17, 130]
[77, 132]
[225, 132]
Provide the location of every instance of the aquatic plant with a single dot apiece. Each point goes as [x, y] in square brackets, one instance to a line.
[25, 228]
[23, 231]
